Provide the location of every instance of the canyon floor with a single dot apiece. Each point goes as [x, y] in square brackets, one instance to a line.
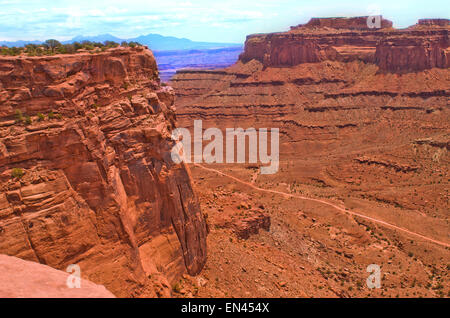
[311, 249]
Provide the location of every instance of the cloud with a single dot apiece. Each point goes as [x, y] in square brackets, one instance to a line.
[229, 20]
[96, 13]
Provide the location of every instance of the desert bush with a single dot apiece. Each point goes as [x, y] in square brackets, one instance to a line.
[17, 173]
[52, 44]
[111, 44]
[177, 288]
[133, 44]
[19, 116]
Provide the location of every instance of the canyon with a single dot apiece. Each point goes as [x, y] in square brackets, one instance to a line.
[86, 175]
[363, 116]
[169, 62]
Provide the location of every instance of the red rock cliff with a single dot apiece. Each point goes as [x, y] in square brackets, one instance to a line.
[354, 23]
[86, 173]
[416, 48]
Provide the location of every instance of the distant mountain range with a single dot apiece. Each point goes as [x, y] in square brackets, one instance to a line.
[155, 42]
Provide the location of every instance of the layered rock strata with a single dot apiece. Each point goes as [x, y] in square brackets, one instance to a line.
[86, 173]
[419, 47]
[375, 114]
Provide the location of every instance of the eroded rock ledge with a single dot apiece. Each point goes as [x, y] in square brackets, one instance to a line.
[86, 173]
[322, 85]
[419, 47]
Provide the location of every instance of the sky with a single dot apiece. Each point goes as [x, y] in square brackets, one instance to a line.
[199, 20]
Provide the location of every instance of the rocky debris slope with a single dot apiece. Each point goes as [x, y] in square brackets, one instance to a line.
[25, 279]
[86, 172]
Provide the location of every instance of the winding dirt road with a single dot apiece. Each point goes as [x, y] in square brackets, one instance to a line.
[339, 208]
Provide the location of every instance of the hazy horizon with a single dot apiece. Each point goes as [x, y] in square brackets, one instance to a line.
[202, 20]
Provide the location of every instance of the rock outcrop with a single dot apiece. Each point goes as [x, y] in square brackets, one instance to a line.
[312, 71]
[354, 23]
[419, 47]
[86, 172]
[25, 279]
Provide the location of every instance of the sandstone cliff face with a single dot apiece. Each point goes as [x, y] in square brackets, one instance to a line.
[94, 183]
[354, 23]
[423, 46]
[426, 50]
[312, 71]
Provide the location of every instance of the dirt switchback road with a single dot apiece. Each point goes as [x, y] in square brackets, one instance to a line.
[339, 208]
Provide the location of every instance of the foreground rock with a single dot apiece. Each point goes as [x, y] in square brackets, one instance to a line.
[24, 279]
[86, 173]
[251, 225]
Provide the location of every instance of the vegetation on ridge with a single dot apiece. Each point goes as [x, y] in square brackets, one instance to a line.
[52, 47]
[28, 120]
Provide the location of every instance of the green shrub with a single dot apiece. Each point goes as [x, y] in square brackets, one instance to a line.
[77, 45]
[51, 115]
[109, 44]
[52, 44]
[28, 120]
[41, 117]
[19, 116]
[177, 288]
[17, 173]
